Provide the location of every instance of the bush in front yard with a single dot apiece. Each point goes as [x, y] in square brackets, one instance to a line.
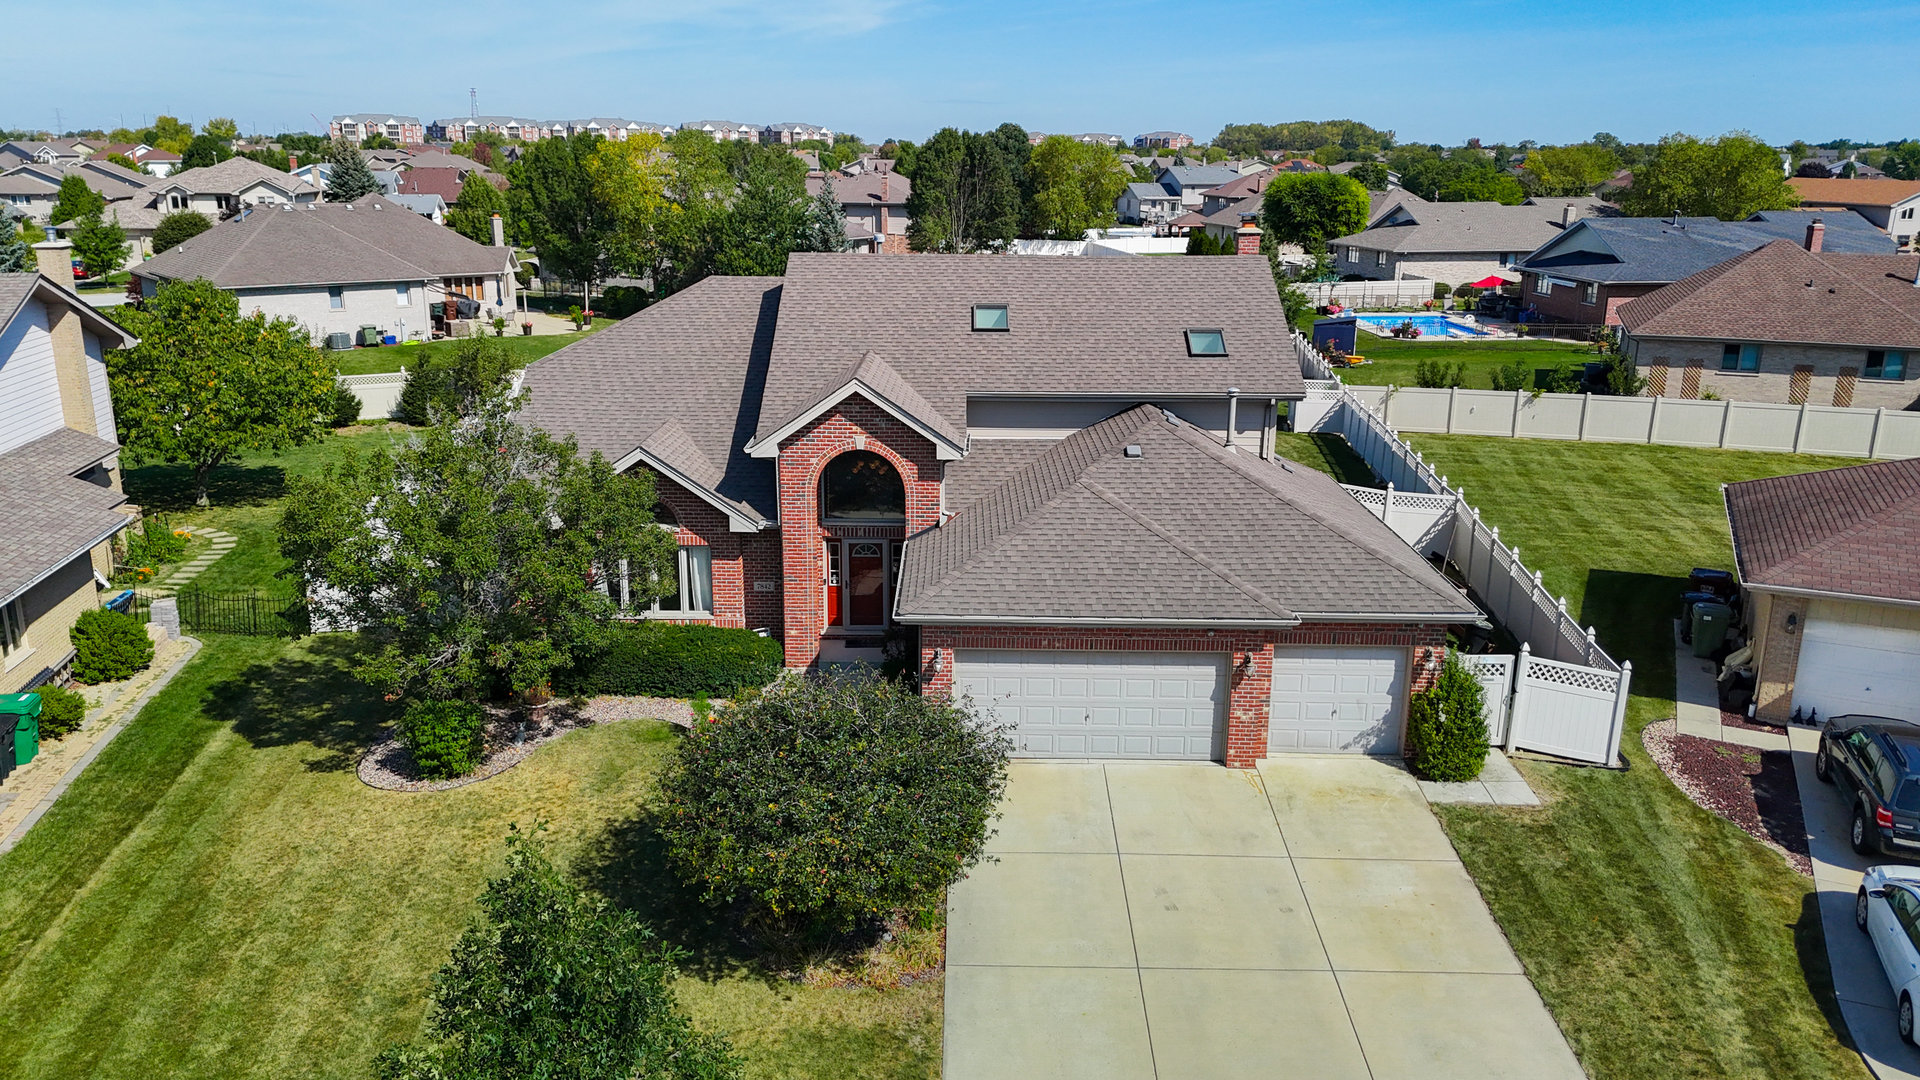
[345, 409]
[109, 646]
[1446, 731]
[444, 737]
[824, 802]
[61, 710]
[679, 660]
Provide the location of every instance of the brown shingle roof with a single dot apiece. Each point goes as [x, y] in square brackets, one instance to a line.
[1850, 531]
[1782, 292]
[52, 516]
[1836, 191]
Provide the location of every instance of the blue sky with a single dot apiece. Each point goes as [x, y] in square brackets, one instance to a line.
[1442, 72]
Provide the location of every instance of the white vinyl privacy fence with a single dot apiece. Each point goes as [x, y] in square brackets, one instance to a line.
[1730, 425]
[1408, 292]
[379, 394]
[1562, 694]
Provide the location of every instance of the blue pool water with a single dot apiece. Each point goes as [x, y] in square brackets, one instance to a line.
[1439, 326]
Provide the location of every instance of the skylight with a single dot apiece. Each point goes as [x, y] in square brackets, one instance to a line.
[1206, 343]
[990, 316]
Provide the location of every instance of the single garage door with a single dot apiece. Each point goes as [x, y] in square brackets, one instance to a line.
[1341, 700]
[1099, 704]
[1849, 668]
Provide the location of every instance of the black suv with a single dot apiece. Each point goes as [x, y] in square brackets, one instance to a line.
[1878, 761]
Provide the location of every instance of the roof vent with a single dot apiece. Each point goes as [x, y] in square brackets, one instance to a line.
[376, 206]
[286, 208]
[1133, 450]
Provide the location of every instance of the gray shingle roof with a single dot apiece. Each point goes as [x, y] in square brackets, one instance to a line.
[1782, 292]
[52, 515]
[370, 240]
[693, 365]
[1144, 191]
[1077, 326]
[1850, 531]
[1188, 532]
[1181, 177]
[1641, 250]
[874, 188]
[229, 177]
[1424, 227]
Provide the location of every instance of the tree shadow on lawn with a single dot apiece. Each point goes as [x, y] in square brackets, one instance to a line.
[309, 696]
[169, 488]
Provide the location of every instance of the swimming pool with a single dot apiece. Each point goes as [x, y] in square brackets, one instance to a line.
[1440, 326]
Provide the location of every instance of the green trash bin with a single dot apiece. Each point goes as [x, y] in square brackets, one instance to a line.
[1710, 624]
[22, 713]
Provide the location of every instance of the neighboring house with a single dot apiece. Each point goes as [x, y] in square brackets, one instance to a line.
[464, 128]
[29, 195]
[1452, 242]
[153, 162]
[788, 134]
[137, 221]
[444, 182]
[1832, 593]
[610, 127]
[1099, 138]
[724, 130]
[1097, 545]
[1891, 205]
[1191, 182]
[1146, 204]
[1162, 140]
[111, 182]
[876, 207]
[431, 207]
[1786, 324]
[217, 190]
[1586, 272]
[59, 474]
[435, 159]
[47, 151]
[360, 127]
[1299, 165]
[335, 267]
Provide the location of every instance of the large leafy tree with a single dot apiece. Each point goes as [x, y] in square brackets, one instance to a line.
[964, 195]
[1903, 160]
[572, 228]
[472, 214]
[468, 556]
[76, 201]
[350, 178]
[1074, 186]
[205, 150]
[179, 226]
[1568, 170]
[767, 218]
[207, 384]
[1483, 185]
[101, 244]
[222, 128]
[553, 984]
[1730, 178]
[1310, 209]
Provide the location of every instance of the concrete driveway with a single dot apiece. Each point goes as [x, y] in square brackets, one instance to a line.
[1191, 921]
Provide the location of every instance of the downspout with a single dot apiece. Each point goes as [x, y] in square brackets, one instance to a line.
[1233, 413]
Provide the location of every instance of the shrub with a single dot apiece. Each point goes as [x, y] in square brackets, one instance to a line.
[454, 379]
[345, 409]
[827, 801]
[1434, 372]
[61, 710]
[1441, 290]
[154, 543]
[1446, 731]
[108, 646]
[1566, 378]
[444, 737]
[1514, 375]
[177, 226]
[679, 660]
[620, 301]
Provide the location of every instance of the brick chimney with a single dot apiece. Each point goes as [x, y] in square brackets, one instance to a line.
[293, 162]
[1816, 235]
[1246, 239]
[70, 361]
[884, 187]
[499, 232]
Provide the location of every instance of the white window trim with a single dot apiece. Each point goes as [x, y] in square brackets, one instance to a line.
[687, 557]
[14, 643]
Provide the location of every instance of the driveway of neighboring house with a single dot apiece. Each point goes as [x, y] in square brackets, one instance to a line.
[1191, 921]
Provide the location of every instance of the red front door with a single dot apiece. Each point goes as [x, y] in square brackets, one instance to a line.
[866, 584]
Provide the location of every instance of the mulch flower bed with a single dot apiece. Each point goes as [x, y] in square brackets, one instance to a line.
[1739, 720]
[1754, 789]
[388, 766]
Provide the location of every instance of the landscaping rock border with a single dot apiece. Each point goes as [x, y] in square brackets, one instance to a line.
[1734, 783]
[387, 765]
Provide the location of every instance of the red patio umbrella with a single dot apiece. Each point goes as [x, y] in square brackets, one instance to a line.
[1491, 281]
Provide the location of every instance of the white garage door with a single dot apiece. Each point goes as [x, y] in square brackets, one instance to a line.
[1342, 700]
[1099, 704]
[1849, 668]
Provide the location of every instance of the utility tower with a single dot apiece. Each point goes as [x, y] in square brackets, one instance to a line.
[473, 102]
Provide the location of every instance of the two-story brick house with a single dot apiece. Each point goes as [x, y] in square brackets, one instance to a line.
[1056, 474]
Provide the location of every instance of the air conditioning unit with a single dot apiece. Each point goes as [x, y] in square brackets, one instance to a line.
[340, 340]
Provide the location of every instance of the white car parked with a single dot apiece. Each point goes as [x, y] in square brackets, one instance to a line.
[1887, 910]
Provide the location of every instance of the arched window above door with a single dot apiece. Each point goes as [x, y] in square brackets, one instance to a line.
[861, 486]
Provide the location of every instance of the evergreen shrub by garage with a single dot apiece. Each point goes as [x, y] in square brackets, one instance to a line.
[444, 737]
[679, 660]
[109, 646]
[61, 710]
[831, 801]
[1446, 732]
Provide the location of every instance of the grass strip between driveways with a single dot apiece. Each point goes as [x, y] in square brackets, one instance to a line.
[1665, 941]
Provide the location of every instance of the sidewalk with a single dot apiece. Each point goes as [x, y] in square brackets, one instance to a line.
[1696, 702]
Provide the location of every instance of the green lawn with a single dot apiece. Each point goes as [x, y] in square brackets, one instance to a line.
[1393, 359]
[1666, 942]
[388, 358]
[218, 894]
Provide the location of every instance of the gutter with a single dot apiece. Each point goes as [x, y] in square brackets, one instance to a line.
[1827, 594]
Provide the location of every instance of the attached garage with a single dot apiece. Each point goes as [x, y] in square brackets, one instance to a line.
[1100, 704]
[1851, 667]
[1348, 700]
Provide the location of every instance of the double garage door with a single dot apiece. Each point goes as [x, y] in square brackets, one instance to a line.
[1848, 667]
[1173, 705]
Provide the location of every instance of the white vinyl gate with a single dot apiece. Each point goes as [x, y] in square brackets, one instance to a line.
[1566, 710]
[1099, 704]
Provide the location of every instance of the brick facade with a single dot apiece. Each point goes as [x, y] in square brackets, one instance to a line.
[854, 424]
[1567, 304]
[739, 559]
[1774, 381]
[1249, 659]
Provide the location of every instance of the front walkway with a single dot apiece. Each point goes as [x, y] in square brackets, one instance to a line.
[1866, 998]
[1190, 921]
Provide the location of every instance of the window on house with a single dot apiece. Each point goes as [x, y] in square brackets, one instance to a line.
[1353, 255]
[402, 296]
[690, 590]
[1590, 294]
[990, 316]
[1906, 214]
[336, 297]
[862, 486]
[1379, 258]
[1740, 358]
[13, 631]
[1542, 285]
[1886, 364]
[1206, 343]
